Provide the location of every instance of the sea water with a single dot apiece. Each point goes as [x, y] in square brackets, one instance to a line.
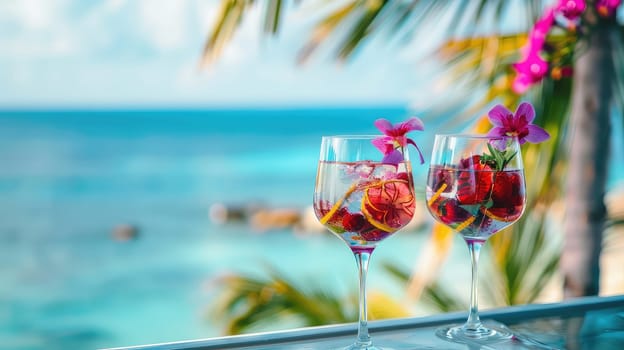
[68, 178]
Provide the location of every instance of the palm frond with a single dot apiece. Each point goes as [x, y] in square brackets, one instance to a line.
[230, 16]
[274, 10]
[431, 260]
[248, 302]
[441, 300]
[434, 295]
[326, 28]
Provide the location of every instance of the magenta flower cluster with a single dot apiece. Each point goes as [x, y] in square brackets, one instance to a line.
[534, 66]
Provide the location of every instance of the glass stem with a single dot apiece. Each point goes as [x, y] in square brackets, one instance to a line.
[474, 323]
[363, 338]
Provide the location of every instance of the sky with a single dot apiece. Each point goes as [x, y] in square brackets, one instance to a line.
[146, 53]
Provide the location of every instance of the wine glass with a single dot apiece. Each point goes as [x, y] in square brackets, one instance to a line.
[362, 201]
[475, 186]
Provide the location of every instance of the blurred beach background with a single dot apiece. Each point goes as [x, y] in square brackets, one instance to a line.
[76, 177]
[119, 156]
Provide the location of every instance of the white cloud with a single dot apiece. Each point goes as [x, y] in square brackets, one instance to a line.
[121, 52]
[38, 29]
[33, 14]
[164, 23]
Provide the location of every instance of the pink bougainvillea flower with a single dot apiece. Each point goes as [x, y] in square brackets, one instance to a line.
[521, 83]
[533, 66]
[517, 124]
[529, 71]
[537, 35]
[571, 9]
[395, 138]
[532, 69]
[606, 8]
[545, 22]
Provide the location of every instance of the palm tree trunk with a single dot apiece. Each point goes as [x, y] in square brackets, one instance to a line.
[588, 166]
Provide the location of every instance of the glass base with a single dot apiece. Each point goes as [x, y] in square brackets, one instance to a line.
[364, 346]
[359, 347]
[485, 333]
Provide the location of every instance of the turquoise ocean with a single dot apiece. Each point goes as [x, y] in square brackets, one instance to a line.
[68, 178]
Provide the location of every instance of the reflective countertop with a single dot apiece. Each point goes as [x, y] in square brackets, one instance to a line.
[583, 323]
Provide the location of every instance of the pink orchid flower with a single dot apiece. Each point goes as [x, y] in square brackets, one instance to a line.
[516, 124]
[540, 30]
[395, 138]
[532, 69]
[571, 9]
[521, 83]
[606, 8]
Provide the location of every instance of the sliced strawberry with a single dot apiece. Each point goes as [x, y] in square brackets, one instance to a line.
[450, 212]
[373, 234]
[474, 181]
[353, 222]
[322, 208]
[441, 177]
[508, 189]
[508, 197]
[403, 176]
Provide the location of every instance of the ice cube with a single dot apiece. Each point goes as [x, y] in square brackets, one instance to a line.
[363, 170]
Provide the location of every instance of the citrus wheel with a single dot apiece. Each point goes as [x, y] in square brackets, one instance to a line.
[388, 204]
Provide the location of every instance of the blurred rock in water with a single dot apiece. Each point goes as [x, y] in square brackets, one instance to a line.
[221, 214]
[125, 232]
[272, 219]
[308, 222]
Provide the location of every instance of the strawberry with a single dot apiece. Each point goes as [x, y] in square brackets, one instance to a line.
[450, 212]
[370, 233]
[322, 208]
[508, 196]
[440, 177]
[403, 176]
[474, 181]
[508, 189]
[353, 222]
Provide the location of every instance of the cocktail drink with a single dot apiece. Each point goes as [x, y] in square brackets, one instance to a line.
[362, 200]
[476, 203]
[475, 186]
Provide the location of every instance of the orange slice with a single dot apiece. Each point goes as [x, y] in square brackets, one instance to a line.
[437, 194]
[388, 205]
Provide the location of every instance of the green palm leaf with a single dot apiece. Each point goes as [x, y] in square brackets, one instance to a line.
[247, 303]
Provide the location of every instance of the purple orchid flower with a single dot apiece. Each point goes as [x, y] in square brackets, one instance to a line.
[516, 124]
[395, 138]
